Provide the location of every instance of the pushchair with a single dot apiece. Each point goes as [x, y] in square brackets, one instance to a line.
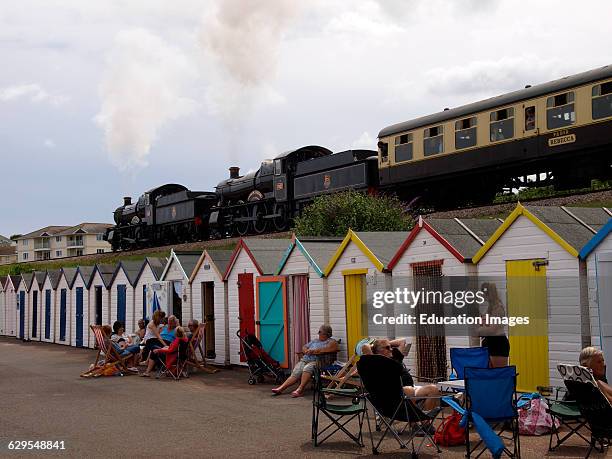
[258, 360]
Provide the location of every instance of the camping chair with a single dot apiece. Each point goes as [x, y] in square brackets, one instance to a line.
[462, 357]
[174, 364]
[195, 345]
[491, 394]
[566, 413]
[111, 356]
[593, 405]
[382, 382]
[339, 414]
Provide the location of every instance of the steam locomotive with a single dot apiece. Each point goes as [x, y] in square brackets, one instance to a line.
[255, 203]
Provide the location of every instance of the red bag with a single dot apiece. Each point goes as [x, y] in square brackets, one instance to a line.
[449, 432]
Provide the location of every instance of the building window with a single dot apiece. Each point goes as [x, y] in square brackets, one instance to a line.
[502, 124]
[530, 118]
[602, 100]
[79, 252]
[465, 133]
[25, 256]
[433, 142]
[46, 255]
[403, 148]
[24, 242]
[99, 250]
[560, 110]
[58, 239]
[99, 237]
[58, 253]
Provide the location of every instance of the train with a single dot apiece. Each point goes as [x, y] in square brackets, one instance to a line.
[557, 133]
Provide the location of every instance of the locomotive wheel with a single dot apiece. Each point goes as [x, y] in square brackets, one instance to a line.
[280, 222]
[242, 228]
[260, 225]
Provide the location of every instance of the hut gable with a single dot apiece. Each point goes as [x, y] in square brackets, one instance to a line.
[180, 265]
[315, 252]
[596, 240]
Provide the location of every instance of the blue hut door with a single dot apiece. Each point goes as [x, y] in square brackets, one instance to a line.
[34, 312]
[121, 304]
[78, 315]
[272, 317]
[22, 307]
[47, 314]
[62, 327]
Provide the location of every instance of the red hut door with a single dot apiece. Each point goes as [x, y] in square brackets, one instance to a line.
[246, 306]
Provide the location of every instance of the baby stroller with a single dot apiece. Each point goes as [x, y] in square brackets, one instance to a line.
[259, 362]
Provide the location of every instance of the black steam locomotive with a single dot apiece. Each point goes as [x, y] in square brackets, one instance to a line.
[258, 202]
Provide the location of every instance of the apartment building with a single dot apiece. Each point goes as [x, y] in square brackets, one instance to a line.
[54, 242]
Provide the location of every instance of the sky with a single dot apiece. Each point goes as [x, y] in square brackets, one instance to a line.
[105, 99]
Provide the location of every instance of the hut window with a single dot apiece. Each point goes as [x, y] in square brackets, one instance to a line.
[433, 142]
[465, 133]
[602, 100]
[560, 110]
[502, 124]
[403, 148]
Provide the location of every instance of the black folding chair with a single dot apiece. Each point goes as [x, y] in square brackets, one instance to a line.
[180, 366]
[593, 405]
[338, 414]
[382, 383]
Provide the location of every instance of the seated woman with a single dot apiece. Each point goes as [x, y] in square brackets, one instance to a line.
[303, 370]
[593, 358]
[383, 347]
[152, 337]
[169, 351]
[121, 346]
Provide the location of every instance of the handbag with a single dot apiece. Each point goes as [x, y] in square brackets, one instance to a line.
[449, 432]
[535, 419]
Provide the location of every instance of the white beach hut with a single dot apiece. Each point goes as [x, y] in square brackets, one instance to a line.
[25, 325]
[11, 286]
[82, 300]
[122, 294]
[2, 307]
[151, 270]
[208, 293]
[63, 301]
[177, 273]
[49, 306]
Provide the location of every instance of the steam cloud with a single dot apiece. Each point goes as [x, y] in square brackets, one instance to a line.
[141, 92]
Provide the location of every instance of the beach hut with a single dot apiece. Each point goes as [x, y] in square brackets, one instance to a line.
[176, 275]
[49, 305]
[307, 301]
[63, 301]
[2, 307]
[37, 305]
[253, 297]
[99, 293]
[533, 259]
[208, 292]
[122, 294]
[435, 252]
[25, 325]
[597, 254]
[81, 311]
[151, 270]
[357, 269]
[11, 287]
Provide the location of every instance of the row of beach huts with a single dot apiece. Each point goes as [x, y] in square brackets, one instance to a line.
[284, 289]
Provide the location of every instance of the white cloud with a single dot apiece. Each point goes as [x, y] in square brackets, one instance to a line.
[144, 89]
[365, 141]
[33, 92]
[49, 143]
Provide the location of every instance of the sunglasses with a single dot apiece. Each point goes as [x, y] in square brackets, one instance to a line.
[387, 347]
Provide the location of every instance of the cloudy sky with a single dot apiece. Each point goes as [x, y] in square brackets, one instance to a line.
[104, 99]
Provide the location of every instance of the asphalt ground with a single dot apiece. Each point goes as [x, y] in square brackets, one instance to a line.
[42, 397]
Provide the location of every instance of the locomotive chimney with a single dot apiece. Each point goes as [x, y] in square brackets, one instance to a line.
[127, 200]
[234, 172]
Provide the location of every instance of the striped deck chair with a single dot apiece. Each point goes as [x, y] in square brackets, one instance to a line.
[195, 346]
[111, 358]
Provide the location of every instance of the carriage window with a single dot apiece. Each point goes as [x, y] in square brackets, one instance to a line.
[278, 167]
[465, 133]
[530, 118]
[267, 168]
[403, 148]
[384, 151]
[560, 110]
[502, 124]
[433, 142]
[602, 100]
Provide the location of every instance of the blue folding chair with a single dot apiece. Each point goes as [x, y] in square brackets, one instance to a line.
[462, 357]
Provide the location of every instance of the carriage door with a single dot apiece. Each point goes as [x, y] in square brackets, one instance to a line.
[121, 304]
[272, 316]
[22, 307]
[47, 314]
[78, 315]
[34, 312]
[604, 300]
[62, 327]
[208, 314]
[246, 306]
[356, 310]
[527, 296]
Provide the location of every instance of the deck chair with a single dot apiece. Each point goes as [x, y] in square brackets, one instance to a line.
[195, 345]
[345, 376]
[462, 357]
[111, 356]
[338, 414]
[382, 384]
[593, 405]
[174, 364]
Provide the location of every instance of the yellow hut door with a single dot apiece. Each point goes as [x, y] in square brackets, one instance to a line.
[356, 312]
[527, 297]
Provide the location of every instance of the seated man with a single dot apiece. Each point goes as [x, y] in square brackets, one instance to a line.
[365, 346]
[593, 358]
[192, 325]
[383, 347]
[303, 370]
